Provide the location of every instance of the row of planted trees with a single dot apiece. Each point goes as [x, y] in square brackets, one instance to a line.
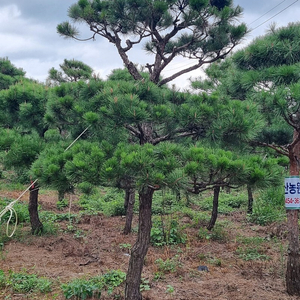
[142, 136]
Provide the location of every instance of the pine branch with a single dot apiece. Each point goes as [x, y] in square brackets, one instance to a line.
[279, 149]
[133, 130]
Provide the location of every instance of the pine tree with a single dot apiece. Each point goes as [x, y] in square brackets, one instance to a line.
[71, 71]
[201, 30]
[23, 107]
[9, 74]
[267, 73]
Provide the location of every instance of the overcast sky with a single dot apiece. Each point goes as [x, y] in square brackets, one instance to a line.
[29, 39]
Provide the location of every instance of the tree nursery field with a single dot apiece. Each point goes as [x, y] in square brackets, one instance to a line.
[83, 254]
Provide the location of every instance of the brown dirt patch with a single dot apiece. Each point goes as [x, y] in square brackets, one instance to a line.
[97, 249]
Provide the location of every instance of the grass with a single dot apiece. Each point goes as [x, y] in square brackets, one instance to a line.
[268, 207]
[86, 288]
[78, 288]
[110, 202]
[228, 203]
[218, 233]
[166, 230]
[252, 253]
[23, 282]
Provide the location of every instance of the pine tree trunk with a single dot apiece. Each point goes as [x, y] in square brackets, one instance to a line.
[146, 133]
[293, 262]
[140, 248]
[214, 213]
[129, 205]
[250, 200]
[61, 195]
[36, 224]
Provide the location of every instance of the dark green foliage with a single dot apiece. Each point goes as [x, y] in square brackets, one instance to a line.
[166, 202]
[283, 40]
[21, 154]
[112, 279]
[124, 75]
[157, 166]
[9, 74]
[7, 138]
[253, 250]
[72, 107]
[72, 70]
[23, 106]
[212, 167]
[49, 168]
[220, 4]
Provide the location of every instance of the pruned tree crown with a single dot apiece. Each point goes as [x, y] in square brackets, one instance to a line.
[201, 30]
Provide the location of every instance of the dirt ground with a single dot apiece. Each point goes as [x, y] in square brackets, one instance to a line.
[98, 248]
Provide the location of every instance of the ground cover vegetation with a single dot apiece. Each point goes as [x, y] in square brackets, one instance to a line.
[186, 157]
[235, 246]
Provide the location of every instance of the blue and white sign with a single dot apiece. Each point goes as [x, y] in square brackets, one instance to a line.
[292, 192]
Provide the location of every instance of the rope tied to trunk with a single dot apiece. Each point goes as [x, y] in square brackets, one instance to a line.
[10, 208]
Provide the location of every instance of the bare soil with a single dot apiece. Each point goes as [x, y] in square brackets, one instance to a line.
[65, 256]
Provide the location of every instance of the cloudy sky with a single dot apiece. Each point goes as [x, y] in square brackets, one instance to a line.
[29, 39]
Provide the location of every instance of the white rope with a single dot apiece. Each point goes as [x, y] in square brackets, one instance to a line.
[77, 138]
[10, 208]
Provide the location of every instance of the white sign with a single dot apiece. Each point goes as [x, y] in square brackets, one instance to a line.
[292, 192]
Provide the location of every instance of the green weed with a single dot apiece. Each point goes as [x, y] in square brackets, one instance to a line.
[20, 208]
[170, 289]
[25, 283]
[112, 279]
[144, 286]
[62, 204]
[167, 231]
[218, 233]
[250, 240]
[215, 261]
[198, 217]
[251, 254]
[2, 279]
[268, 208]
[227, 202]
[81, 288]
[50, 228]
[170, 265]
[110, 202]
[85, 288]
[125, 246]
[165, 202]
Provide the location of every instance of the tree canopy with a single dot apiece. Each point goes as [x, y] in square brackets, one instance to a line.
[9, 74]
[71, 70]
[201, 30]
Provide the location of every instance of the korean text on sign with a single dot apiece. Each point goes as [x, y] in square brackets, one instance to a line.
[292, 192]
